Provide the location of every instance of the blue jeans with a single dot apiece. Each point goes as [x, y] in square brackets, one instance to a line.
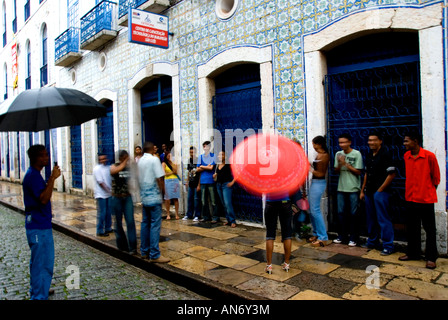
[317, 188]
[104, 216]
[347, 214]
[194, 203]
[41, 262]
[379, 223]
[124, 206]
[225, 194]
[150, 231]
[208, 191]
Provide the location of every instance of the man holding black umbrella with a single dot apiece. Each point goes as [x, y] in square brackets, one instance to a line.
[36, 197]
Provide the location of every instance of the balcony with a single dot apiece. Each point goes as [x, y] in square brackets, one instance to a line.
[155, 6]
[98, 26]
[67, 48]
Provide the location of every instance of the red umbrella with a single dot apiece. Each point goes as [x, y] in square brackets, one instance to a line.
[269, 164]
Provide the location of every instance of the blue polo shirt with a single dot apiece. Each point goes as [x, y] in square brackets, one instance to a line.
[38, 215]
[206, 175]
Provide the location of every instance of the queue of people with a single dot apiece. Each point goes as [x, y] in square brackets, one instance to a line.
[210, 183]
[208, 179]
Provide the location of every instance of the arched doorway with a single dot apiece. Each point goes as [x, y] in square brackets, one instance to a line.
[157, 111]
[237, 105]
[373, 83]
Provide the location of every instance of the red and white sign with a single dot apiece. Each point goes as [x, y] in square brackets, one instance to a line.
[148, 28]
[15, 72]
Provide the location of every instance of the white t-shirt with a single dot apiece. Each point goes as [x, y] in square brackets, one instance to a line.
[101, 174]
[149, 170]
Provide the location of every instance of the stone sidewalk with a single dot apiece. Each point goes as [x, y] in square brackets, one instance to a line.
[229, 262]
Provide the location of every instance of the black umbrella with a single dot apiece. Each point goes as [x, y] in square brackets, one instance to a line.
[50, 107]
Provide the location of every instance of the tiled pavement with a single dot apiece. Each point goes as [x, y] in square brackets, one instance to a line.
[231, 260]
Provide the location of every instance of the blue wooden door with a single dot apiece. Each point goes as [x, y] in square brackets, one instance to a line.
[381, 92]
[157, 111]
[76, 154]
[105, 127]
[237, 105]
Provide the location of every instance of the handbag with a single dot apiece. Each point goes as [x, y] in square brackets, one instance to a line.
[303, 204]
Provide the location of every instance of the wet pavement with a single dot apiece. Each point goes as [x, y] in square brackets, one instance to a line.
[80, 271]
[218, 261]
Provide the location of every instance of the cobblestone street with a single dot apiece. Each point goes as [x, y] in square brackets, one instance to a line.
[102, 277]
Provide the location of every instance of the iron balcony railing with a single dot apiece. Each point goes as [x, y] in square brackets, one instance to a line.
[67, 42]
[124, 5]
[101, 17]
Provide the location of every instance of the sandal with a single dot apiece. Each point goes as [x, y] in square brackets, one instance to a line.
[285, 266]
[268, 269]
[321, 243]
[233, 225]
[311, 239]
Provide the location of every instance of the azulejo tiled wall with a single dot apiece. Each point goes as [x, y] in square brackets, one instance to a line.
[199, 35]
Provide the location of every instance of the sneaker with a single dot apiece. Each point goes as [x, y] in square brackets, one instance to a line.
[386, 252]
[185, 218]
[196, 219]
[352, 244]
[337, 241]
[161, 260]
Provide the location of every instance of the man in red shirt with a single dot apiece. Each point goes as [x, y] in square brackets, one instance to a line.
[422, 179]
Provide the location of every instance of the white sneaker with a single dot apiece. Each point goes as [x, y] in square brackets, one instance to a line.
[196, 219]
[185, 218]
[352, 244]
[338, 241]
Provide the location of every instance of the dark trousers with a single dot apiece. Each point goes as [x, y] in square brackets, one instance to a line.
[419, 214]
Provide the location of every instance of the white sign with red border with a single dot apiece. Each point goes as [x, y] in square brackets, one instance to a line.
[148, 28]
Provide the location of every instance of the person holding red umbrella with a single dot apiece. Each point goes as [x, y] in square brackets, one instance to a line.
[278, 208]
[275, 166]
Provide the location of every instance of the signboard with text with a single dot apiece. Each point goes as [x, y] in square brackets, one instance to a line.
[148, 28]
[15, 73]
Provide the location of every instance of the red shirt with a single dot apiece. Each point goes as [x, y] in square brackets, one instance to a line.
[422, 177]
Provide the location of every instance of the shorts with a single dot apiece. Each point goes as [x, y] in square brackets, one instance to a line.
[273, 211]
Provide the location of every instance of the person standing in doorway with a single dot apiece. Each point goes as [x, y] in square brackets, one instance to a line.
[348, 164]
[318, 185]
[206, 167]
[37, 200]
[172, 186]
[102, 194]
[138, 153]
[224, 186]
[150, 177]
[422, 179]
[122, 204]
[379, 174]
[194, 196]
[162, 156]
